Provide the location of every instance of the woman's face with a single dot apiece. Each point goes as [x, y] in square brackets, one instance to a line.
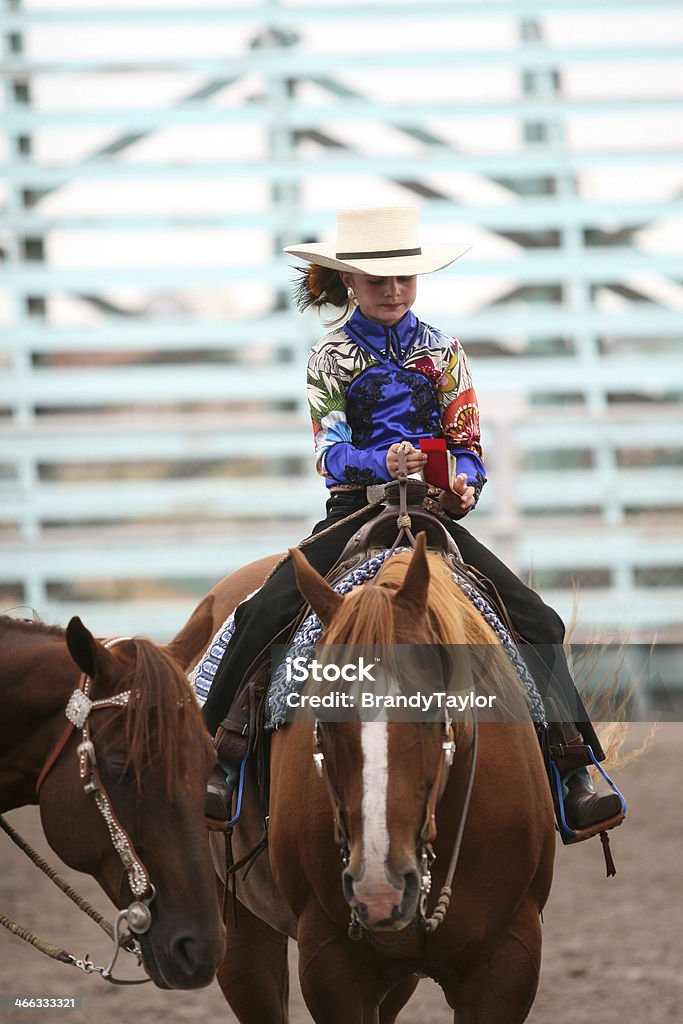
[384, 300]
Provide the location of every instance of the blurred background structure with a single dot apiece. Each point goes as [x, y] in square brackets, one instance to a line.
[156, 156]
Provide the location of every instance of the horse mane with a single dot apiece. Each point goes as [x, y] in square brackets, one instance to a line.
[160, 716]
[30, 625]
[366, 619]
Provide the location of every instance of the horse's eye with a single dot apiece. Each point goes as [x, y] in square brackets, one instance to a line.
[118, 770]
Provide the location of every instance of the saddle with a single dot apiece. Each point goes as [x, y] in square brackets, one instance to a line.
[386, 529]
[241, 730]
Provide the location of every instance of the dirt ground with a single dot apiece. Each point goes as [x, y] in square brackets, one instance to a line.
[612, 950]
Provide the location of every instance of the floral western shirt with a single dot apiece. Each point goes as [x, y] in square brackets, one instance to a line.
[370, 386]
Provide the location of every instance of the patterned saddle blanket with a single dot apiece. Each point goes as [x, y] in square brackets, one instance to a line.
[310, 631]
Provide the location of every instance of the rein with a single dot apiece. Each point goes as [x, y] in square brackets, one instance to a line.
[430, 924]
[55, 952]
[138, 915]
[403, 520]
[376, 497]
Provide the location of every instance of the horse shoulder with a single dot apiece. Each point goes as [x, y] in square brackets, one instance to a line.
[303, 853]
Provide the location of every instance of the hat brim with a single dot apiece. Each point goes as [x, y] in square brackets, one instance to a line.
[433, 257]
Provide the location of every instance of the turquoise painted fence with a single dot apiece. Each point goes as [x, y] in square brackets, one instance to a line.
[153, 426]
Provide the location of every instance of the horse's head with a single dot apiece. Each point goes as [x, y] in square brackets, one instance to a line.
[384, 777]
[136, 790]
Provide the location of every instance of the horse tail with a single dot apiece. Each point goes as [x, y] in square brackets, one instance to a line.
[615, 704]
[613, 735]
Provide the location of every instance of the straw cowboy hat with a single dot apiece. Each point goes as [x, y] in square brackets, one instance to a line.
[382, 241]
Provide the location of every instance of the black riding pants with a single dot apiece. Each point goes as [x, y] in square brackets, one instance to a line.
[260, 619]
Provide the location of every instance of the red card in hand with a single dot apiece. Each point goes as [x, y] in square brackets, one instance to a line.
[440, 470]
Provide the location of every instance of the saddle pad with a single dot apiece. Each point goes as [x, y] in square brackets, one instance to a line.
[310, 632]
[202, 675]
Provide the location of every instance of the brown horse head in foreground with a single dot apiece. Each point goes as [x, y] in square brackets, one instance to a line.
[353, 854]
[127, 805]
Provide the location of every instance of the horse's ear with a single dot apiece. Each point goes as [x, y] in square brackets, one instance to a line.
[412, 595]
[90, 655]
[195, 635]
[324, 601]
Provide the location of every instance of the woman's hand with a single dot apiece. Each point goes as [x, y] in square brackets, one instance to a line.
[462, 500]
[415, 459]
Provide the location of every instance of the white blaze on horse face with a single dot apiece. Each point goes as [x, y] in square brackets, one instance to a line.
[373, 888]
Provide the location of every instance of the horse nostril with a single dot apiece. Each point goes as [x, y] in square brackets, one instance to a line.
[194, 967]
[183, 953]
[347, 885]
[411, 889]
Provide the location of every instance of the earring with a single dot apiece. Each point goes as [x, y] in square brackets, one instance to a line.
[351, 294]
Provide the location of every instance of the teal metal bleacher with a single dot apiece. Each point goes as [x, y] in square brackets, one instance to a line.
[153, 424]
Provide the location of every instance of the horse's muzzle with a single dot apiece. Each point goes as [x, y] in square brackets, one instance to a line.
[387, 906]
[183, 961]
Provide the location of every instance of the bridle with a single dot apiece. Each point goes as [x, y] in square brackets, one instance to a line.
[425, 852]
[138, 915]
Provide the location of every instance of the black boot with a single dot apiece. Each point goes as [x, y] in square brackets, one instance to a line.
[234, 738]
[231, 742]
[217, 808]
[584, 808]
[218, 797]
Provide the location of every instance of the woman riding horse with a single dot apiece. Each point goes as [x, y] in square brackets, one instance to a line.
[379, 384]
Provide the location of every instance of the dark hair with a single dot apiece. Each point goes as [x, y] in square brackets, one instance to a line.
[318, 287]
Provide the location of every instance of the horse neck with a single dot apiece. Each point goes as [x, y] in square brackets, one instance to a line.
[37, 677]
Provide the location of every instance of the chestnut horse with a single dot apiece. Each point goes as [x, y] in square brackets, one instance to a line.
[377, 806]
[118, 761]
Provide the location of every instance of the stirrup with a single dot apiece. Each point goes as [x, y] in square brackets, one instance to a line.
[218, 799]
[570, 835]
[218, 825]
